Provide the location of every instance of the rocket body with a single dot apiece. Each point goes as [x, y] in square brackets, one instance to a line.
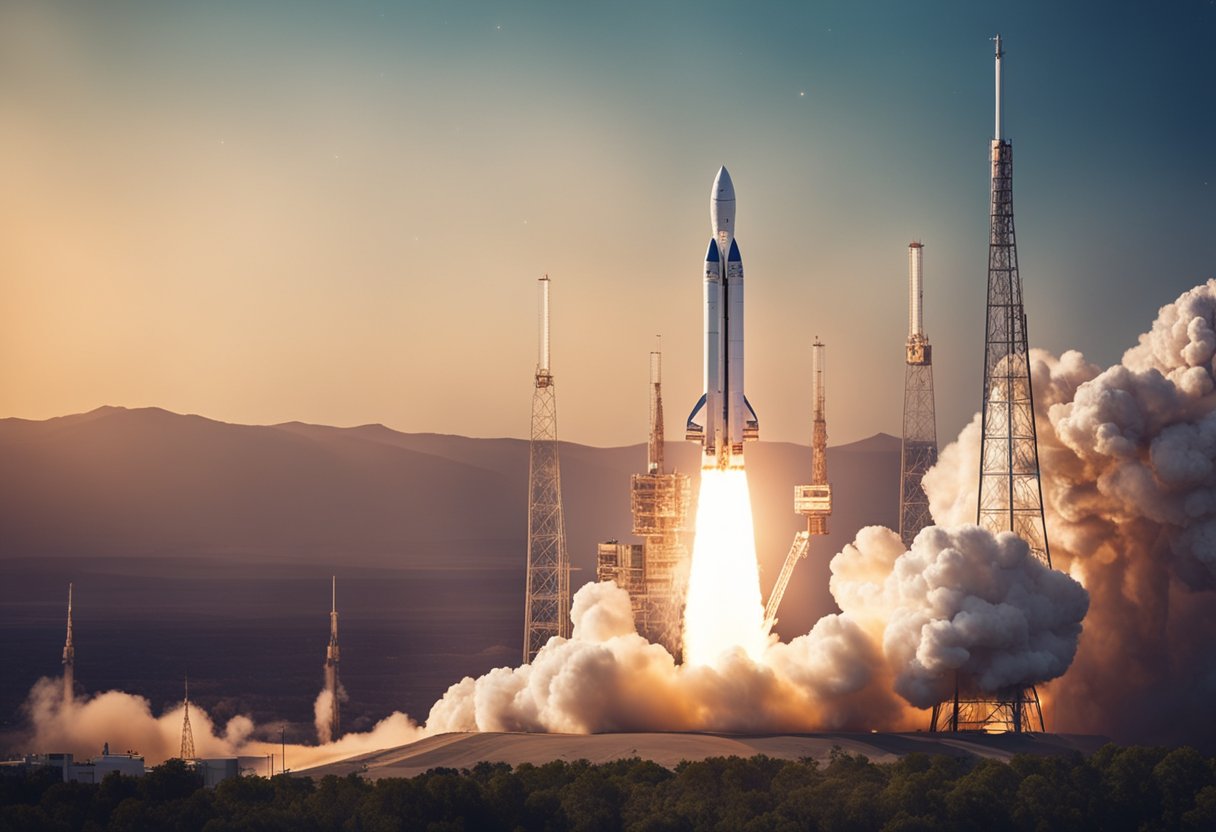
[728, 418]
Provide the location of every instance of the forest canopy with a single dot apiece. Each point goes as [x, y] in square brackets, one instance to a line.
[1116, 788]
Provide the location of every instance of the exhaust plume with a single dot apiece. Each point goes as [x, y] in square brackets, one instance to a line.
[724, 611]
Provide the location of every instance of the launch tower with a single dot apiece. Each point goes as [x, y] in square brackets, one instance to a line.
[919, 451]
[654, 573]
[814, 501]
[69, 659]
[332, 656]
[1010, 492]
[547, 596]
[187, 752]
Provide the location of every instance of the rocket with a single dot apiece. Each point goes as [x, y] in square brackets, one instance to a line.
[729, 420]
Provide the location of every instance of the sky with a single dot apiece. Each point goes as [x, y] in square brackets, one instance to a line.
[337, 213]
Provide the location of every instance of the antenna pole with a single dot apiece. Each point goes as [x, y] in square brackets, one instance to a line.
[999, 54]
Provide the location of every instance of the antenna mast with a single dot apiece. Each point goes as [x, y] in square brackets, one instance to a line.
[1010, 489]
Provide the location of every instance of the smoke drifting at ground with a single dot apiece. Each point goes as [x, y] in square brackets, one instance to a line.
[125, 721]
[1129, 461]
[966, 602]
[962, 602]
[608, 678]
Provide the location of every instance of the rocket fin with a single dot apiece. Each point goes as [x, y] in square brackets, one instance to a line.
[751, 428]
[692, 430]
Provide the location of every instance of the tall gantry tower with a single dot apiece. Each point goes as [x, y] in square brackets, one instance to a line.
[332, 657]
[816, 500]
[547, 596]
[1010, 493]
[69, 659]
[919, 450]
[659, 501]
[813, 501]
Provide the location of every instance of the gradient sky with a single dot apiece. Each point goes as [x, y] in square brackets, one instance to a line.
[337, 212]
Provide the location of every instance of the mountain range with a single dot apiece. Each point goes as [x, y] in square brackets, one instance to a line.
[161, 517]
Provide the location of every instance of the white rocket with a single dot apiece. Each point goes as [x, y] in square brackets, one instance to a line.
[729, 418]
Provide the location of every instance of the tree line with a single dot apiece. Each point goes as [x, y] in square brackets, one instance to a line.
[1116, 788]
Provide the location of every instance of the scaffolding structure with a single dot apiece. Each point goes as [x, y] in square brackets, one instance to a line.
[918, 452]
[654, 572]
[1010, 490]
[547, 591]
[813, 501]
[332, 656]
[69, 659]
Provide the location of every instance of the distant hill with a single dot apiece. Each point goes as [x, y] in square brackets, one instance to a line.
[147, 483]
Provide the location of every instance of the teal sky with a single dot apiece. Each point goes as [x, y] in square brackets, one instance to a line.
[337, 212]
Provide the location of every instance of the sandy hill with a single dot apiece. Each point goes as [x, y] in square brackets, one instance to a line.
[466, 750]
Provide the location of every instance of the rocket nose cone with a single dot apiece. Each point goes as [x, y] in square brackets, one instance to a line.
[722, 207]
[724, 188]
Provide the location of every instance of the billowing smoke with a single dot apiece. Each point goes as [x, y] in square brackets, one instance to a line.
[606, 677]
[1129, 461]
[125, 722]
[963, 603]
[323, 710]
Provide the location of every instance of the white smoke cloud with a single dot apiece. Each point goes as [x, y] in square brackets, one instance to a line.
[322, 708]
[966, 602]
[963, 601]
[608, 678]
[126, 723]
[1129, 483]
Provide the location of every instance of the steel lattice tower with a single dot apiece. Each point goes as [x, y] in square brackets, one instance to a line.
[547, 597]
[919, 448]
[1010, 493]
[187, 752]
